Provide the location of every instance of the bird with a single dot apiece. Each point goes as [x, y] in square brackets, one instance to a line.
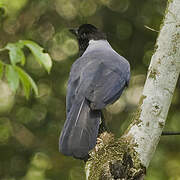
[97, 79]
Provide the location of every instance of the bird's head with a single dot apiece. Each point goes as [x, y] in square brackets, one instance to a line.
[84, 34]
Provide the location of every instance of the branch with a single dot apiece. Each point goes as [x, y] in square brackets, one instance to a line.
[159, 87]
[129, 156]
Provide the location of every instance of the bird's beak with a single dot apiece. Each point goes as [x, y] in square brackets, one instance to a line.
[74, 31]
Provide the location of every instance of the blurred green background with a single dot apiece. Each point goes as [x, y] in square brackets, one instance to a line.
[29, 130]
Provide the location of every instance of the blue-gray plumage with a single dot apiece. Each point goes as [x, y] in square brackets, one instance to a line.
[97, 78]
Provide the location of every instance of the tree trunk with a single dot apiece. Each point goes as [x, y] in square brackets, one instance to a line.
[129, 156]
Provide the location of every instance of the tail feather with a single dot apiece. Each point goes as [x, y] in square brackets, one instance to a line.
[80, 130]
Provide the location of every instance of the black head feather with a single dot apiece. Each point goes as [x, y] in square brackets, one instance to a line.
[85, 33]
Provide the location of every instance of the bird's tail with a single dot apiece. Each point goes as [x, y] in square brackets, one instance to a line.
[80, 130]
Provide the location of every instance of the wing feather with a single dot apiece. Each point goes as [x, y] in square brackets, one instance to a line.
[80, 130]
[105, 87]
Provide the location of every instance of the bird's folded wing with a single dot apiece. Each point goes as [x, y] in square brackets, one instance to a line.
[106, 87]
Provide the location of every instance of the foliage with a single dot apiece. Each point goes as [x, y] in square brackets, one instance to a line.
[15, 74]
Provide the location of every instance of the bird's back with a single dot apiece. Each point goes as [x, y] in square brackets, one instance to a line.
[97, 78]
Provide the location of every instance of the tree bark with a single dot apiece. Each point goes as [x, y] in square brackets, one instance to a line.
[129, 156]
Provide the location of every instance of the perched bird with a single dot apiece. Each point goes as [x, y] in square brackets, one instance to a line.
[97, 78]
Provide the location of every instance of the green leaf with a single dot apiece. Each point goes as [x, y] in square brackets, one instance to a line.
[42, 58]
[1, 69]
[12, 77]
[15, 53]
[26, 81]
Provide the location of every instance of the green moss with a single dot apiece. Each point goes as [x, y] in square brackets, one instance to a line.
[175, 40]
[170, 1]
[153, 73]
[155, 48]
[136, 119]
[159, 61]
[161, 125]
[119, 152]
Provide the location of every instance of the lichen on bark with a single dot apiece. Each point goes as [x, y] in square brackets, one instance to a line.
[114, 159]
